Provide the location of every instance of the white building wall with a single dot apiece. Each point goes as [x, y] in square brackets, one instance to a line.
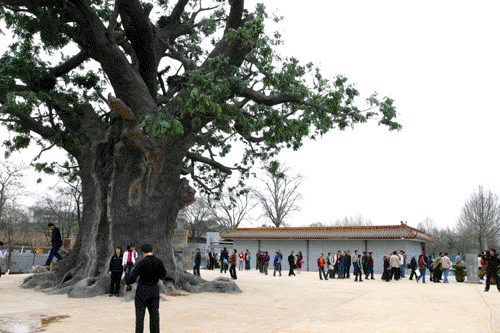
[378, 247]
[316, 247]
[285, 246]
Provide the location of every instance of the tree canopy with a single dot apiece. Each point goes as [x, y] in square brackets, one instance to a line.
[204, 76]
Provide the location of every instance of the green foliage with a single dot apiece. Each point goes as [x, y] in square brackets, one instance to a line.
[209, 103]
[163, 126]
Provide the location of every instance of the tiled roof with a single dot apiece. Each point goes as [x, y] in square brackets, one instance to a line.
[364, 232]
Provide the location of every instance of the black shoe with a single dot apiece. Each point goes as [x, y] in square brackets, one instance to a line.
[372, 279]
[117, 295]
[486, 290]
[110, 295]
[360, 280]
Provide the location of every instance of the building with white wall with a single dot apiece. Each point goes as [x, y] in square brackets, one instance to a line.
[315, 240]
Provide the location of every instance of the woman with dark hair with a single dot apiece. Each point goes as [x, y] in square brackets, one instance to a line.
[115, 272]
[128, 262]
[299, 262]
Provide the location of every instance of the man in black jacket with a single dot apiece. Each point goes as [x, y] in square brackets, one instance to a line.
[347, 264]
[291, 262]
[492, 262]
[149, 270]
[197, 263]
[56, 243]
[413, 266]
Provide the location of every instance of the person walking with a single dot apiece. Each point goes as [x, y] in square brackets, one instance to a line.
[369, 266]
[331, 266]
[436, 268]
[336, 266]
[197, 262]
[115, 272]
[56, 243]
[347, 268]
[357, 268]
[364, 261]
[341, 265]
[213, 258]
[291, 263]
[241, 261]
[2, 256]
[277, 263]
[224, 260]
[402, 264]
[422, 264]
[386, 275]
[446, 265]
[257, 261]
[232, 260]
[207, 259]
[247, 260]
[149, 271]
[128, 262]
[429, 267]
[492, 263]
[321, 267]
[266, 259]
[395, 266]
[413, 266]
[299, 262]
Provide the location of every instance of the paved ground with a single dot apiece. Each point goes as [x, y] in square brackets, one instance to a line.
[278, 304]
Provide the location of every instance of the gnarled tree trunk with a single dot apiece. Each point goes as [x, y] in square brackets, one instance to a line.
[131, 194]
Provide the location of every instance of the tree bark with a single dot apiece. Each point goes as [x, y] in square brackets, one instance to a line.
[130, 195]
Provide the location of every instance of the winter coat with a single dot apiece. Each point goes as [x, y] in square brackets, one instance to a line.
[115, 265]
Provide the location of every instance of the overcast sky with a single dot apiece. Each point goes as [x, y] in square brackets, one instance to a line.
[439, 61]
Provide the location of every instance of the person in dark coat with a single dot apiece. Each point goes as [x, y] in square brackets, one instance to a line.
[492, 263]
[386, 275]
[413, 266]
[357, 269]
[115, 272]
[347, 266]
[291, 263]
[149, 271]
[224, 260]
[56, 243]
[369, 266]
[364, 260]
[197, 263]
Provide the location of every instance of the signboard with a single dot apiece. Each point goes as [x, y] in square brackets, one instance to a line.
[212, 238]
[472, 268]
[180, 236]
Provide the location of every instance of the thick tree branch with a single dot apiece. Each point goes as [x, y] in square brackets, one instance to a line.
[235, 15]
[71, 64]
[140, 33]
[198, 158]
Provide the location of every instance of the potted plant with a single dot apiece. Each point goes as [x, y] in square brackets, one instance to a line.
[482, 272]
[460, 272]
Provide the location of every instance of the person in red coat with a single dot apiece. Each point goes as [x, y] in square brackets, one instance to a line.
[232, 261]
[299, 262]
[321, 267]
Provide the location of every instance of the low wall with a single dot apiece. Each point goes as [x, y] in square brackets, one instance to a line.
[23, 262]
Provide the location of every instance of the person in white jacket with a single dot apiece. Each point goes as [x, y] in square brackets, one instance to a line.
[2, 256]
[128, 262]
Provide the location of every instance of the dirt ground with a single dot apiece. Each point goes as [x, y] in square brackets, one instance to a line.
[301, 303]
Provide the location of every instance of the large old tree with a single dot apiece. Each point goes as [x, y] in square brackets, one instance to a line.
[184, 87]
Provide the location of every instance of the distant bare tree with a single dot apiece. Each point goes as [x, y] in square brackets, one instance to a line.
[317, 224]
[198, 219]
[280, 194]
[232, 210]
[480, 216]
[429, 226]
[13, 226]
[11, 183]
[354, 220]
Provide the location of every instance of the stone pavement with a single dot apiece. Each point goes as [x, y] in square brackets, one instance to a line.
[279, 304]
